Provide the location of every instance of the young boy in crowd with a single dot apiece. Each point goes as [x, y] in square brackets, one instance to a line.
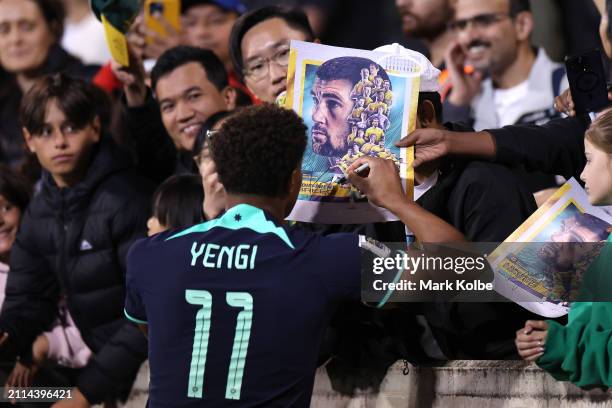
[74, 237]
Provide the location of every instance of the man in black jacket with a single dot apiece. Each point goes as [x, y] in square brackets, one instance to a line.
[486, 202]
[74, 238]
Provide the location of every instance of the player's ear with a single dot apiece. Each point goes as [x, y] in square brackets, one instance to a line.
[295, 183]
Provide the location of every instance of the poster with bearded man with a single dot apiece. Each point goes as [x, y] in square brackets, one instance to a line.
[355, 103]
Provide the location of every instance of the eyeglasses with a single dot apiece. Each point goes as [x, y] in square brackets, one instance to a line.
[259, 68]
[480, 21]
[199, 158]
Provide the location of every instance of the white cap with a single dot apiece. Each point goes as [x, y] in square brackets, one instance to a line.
[429, 73]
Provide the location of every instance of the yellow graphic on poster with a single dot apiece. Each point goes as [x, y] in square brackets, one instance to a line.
[354, 104]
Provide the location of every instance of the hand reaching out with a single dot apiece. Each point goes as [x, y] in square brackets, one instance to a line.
[430, 144]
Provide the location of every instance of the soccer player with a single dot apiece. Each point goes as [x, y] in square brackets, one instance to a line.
[373, 72]
[350, 139]
[383, 119]
[358, 109]
[378, 102]
[235, 308]
[375, 131]
[388, 93]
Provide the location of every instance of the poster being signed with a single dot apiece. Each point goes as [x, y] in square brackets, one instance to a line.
[355, 103]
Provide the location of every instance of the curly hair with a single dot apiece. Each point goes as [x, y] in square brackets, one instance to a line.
[257, 149]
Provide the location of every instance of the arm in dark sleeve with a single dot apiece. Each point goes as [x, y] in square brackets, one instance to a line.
[154, 149]
[114, 366]
[554, 148]
[32, 294]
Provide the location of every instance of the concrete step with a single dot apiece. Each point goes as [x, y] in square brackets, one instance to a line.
[458, 384]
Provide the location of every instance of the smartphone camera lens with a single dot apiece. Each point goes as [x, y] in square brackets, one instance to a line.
[156, 8]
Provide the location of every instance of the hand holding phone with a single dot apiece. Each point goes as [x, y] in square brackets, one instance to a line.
[162, 18]
[587, 80]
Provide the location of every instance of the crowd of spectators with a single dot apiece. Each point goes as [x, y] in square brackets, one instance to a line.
[93, 155]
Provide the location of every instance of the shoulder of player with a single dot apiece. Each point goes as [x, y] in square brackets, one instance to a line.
[319, 235]
[149, 246]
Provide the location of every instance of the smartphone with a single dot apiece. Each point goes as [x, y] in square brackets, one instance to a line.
[169, 9]
[587, 81]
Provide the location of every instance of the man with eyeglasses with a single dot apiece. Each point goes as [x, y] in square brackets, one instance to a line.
[259, 47]
[512, 82]
[494, 38]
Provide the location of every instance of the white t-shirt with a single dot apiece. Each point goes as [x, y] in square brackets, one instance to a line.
[86, 41]
[418, 192]
[509, 103]
[4, 269]
[425, 185]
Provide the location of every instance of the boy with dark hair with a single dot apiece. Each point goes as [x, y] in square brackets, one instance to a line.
[226, 329]
[74, 238]
[259, 47]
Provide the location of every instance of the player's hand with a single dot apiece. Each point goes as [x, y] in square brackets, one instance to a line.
[565, 104]
[382, 184]
[78, 400]
[531, 340]
[465, 86]
[430, 144]
[214, 192]
[132, 78]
